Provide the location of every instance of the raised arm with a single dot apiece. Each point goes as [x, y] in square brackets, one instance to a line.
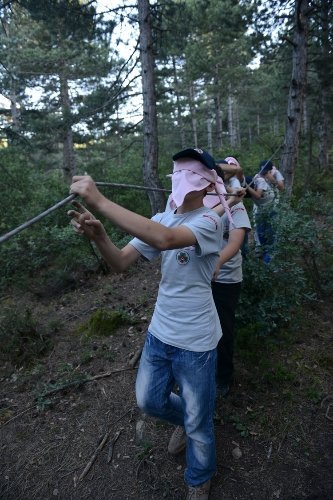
[153, 233]
[231, 201]
[254, 193]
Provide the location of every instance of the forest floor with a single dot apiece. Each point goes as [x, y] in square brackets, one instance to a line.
[70, 427]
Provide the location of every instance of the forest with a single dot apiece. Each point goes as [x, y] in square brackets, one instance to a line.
[114, 89]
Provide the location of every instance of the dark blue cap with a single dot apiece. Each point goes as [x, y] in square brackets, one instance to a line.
[196, 154]
[265, 166]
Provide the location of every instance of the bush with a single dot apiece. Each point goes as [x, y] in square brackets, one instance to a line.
[299, 271]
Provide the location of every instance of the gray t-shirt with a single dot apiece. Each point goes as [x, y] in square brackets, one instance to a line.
[231, 271]
[185, 315]
[268, 196]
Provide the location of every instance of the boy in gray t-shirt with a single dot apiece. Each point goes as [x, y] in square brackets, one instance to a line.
[226, 286]
[180, 347]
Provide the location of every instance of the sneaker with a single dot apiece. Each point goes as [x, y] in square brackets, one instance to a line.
[200, 492]
[177, 441]
[222, 390]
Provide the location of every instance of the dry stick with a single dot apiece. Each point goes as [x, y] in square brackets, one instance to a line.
[93, 457]
[99, 447]
[132, 362]
[144, 188]
[69, 198]
[111, 447]
[85, 381]
[18, 415]
[37, 218]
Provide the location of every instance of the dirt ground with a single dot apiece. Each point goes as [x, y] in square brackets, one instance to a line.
[88, 440]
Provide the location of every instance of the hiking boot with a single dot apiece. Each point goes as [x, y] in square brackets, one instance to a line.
[200, 492]
[177, 441]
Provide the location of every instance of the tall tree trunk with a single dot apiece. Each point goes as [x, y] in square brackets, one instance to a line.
[14, 109]
[209, 134]
[258, 123]
[193, 116]
[178, 105]
[150, 145]
[325, 78]
[237, 125]
[218, 119]
[69, 161]
[232, 120]
[296, 95]
[305, 118]
[218, 110]
[250, 134]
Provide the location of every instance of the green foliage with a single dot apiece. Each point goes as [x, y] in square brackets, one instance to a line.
[68, 379]
[104, 322]
[22, 338]
[300, 269]
[240, 426]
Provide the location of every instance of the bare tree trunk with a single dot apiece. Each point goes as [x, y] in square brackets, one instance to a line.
[258, 124]
[324, 74]
[219, 123]
[218, 110]
[296, 95]
[193, 116]
[305, 119]
[232, 120]
[69, 162]
[250, 134]
[178, 105]
[238, 136]
[14, 109]
[150, 146]
[209, 134]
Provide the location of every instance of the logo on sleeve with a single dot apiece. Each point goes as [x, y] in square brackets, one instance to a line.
[182, 257]
[212, 219]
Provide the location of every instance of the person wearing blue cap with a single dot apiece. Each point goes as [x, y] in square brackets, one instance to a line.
[264, 197]
[180, 346]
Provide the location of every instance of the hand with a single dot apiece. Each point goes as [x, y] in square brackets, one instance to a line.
[216, 271]
[83, 222]
[239, 195]
[270, 177]
[84, 186]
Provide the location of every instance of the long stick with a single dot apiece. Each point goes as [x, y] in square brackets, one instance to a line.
[69, 198]
[37, 218]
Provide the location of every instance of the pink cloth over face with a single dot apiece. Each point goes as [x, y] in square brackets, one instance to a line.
[212, 199]
[191, 175]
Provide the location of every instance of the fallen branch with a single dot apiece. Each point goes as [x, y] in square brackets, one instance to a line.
[111, 447]
[132, 362]
[77, 383]
[18, 415]
[84, 381]
[99, 447]
[94, 456]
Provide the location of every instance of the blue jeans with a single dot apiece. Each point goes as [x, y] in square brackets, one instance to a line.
[161, 367]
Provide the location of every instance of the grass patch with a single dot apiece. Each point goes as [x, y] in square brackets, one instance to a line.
[104, 322]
